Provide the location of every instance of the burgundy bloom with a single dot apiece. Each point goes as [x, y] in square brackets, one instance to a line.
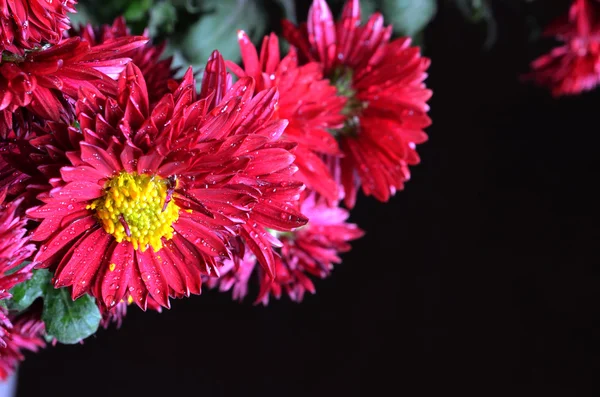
[27, 24]
[309, 103]
[386, 108]
[26, 334]
[308, 251]
[42, 80]
[573, 67]
[14, 249]
[157, 72]
[154, 194]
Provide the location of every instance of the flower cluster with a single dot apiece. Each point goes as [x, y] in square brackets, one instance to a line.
[128, 186]
[356, 105]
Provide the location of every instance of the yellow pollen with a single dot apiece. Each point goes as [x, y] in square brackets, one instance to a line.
[111, 267]
[132, 210]
[130, 299]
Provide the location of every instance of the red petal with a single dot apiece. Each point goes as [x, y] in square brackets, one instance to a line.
[350, 21]
[249, 55]
[137, 289]
[203, 238]
[83, 264]
[321, 32]
[149, 163]
[268, 161]
[279, 216]
[99, 159]
[269, 54]
[77, 192]
[256, 240]
[171, 273]
[153, 277]
[215, 78]
[116, 279]
[191, 274]
[64, 237]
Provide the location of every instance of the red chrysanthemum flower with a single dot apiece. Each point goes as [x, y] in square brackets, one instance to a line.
[26, 334]
[386, 109]
[311, 250]
[26, 24]
[309, 103]
[42, 80]
[14, 249]
[157, 72]
[573, 67]
[152, 198]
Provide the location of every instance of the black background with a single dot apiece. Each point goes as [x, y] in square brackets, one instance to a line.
[477, 279]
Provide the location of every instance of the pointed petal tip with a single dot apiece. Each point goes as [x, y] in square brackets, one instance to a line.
[215, 55]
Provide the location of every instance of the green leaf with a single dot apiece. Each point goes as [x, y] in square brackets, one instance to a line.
[474, 10]
[182, 63]
[163, 17]
[216, 29]
[289, 9]
[25, 293]
[408, 17]
[67, 320]
[368, 8]
[81, 17]
[137, 9]
[191, 6]
[480, 11]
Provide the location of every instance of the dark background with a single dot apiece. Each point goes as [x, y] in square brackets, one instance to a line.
[477, 279]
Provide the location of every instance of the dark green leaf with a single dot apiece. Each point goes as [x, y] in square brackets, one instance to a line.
[48, 338]
[408, 17]
[368, 8]
[163, 17]
[289, 9]
[82, 17]
[25, 293]
[480, 11]
[67, 320]
[137, 9]
[475, 10]
[181, 62]
[216, 29]
[191, 6]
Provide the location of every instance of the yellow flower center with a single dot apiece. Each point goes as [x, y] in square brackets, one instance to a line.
[133, 209]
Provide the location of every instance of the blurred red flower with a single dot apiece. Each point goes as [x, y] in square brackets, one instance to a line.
[574, 66]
